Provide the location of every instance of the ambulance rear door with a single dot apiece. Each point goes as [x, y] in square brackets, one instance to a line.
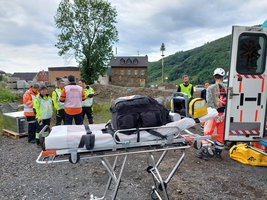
[246, 91]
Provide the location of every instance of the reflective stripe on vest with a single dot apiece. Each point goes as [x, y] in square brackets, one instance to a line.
[88, 102]
[45, 107]
[60, 104]
[29, 109]
[44, 134]
[73, 96]
[186, 90]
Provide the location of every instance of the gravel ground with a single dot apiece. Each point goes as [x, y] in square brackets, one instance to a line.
[22, 178]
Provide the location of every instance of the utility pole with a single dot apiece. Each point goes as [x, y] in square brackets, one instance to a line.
[162, 48]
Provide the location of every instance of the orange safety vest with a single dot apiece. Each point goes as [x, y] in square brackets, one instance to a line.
[28, 99]
[73, 96]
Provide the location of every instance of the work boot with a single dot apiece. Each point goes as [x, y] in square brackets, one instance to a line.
[203, 154]
[218, 155]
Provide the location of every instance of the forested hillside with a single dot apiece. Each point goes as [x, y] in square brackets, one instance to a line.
[198, 63]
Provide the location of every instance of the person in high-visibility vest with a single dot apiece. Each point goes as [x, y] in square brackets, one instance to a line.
[186, 87]
[88, 102]
[43, 108]
[59, 106]
[72, 95]
[28, 99]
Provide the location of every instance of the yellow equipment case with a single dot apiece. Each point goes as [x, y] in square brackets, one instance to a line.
[247, 154]
[193, 107]
[197, 108]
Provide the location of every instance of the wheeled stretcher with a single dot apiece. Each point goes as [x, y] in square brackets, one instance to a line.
[61, 146]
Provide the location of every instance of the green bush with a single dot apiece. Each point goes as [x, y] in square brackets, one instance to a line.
[7, 97]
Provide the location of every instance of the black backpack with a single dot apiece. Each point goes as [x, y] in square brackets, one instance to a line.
[137, 111]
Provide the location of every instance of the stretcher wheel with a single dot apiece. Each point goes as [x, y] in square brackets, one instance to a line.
[197, 144]
[74, 159]
[154, 195]
[211, 152]
[160, 186]
[149, 169]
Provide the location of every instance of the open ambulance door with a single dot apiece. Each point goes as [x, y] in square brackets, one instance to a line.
[245, 116]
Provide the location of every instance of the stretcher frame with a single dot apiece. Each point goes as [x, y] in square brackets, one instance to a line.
[124, 148]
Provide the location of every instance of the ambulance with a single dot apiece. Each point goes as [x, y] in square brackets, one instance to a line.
[245, 114]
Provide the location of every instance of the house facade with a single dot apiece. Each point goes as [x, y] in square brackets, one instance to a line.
[129, 71]
[43, 76]
[63, 72]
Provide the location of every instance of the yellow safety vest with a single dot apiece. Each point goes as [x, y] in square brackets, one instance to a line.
[55, 98]
[43, 107]
[88, 102]
[186, 90]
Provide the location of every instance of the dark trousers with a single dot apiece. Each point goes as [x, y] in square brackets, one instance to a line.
[77, 118]
[89, 113]
[60, 116]
[40, 127]
[31, 127]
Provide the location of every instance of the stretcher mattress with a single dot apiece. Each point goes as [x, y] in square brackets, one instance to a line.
[69, 136]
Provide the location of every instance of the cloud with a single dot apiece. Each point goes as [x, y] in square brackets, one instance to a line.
[28, 32]
[181, 25]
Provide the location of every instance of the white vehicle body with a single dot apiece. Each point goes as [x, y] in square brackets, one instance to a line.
[245, 118]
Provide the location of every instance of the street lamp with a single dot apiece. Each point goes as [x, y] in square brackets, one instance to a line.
[162, 48]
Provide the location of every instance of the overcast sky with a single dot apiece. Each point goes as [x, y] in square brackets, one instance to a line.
[28, 32]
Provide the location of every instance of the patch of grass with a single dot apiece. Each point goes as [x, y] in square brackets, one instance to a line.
[101, 113]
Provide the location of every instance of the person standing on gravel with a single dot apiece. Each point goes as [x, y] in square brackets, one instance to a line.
[203, 96]
[59, 106]
[43, 109]
[216, 98]
[88, 102]
[28, 99]
[72, 95]
[204, 91]
[186, 87]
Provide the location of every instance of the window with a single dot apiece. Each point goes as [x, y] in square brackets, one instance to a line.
[135, 61]
[122, 72]
[122, 61]
[129, 72]
[142, 72]
[135, 72]
[251, 54]
[129, 61]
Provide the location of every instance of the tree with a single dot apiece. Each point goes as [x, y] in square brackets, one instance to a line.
[87, 32]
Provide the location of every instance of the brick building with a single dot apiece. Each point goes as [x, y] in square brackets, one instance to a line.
[43, 76]
[63, 72]
[129, 71]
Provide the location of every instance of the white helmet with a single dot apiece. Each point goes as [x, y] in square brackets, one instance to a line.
[219, 71]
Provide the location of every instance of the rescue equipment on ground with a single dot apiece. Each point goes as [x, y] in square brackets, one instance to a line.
[247, 154]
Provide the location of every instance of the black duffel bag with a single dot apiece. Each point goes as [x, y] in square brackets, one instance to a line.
[137, 111]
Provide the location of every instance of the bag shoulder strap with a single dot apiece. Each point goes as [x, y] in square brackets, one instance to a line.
[88, 140]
